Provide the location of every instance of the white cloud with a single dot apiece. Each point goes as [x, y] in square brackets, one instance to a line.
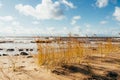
[103, 22]
[74, 19]
[6, 18]
[1, 4]
[87, 25]
[45, 10]
[64, 28]
[116, 14]
[73, 22]
[15, 30]
[35, 22]
[102, 3]
[16, 23]
[75, 31]
[69, 4]
[51, 30]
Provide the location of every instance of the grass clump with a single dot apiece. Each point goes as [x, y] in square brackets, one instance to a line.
[59, 53]
[73, 51]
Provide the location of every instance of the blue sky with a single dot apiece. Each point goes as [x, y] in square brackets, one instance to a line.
[59, 17]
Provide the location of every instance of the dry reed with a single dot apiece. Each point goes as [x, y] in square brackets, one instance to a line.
[73, 51]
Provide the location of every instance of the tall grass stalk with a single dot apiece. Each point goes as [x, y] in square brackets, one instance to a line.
[73, 51]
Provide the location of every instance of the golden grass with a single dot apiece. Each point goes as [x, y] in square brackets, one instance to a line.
[51, 55]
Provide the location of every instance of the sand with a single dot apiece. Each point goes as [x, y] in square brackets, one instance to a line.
[24, 68]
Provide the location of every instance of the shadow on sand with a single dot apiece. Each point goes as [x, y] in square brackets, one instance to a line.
[85, 70]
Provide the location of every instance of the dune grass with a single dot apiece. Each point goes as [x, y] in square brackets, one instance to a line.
[73, 51]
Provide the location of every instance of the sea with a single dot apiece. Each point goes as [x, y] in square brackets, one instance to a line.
[16, 45]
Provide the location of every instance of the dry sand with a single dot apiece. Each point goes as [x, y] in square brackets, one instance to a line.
[23, 68]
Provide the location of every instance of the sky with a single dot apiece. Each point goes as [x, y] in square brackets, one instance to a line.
[59, 17]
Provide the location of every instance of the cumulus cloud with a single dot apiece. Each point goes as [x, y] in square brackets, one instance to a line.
[116, 13]
[69, 4]
[74, 19]
[103, 22]
[6, 18]
[101, 3]
[45, 10]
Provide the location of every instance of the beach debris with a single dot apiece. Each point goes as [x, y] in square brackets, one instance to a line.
[29, 56]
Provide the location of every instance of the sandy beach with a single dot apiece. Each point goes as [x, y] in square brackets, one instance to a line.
[26, 68]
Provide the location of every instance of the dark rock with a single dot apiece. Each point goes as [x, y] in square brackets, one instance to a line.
[24, 53]
[5, 55]
[31, 49]
[27, 49]
[10, 49]
[1, 49]
[20, 49]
